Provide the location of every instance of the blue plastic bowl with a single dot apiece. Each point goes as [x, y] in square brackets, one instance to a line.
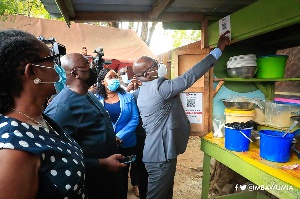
[274, 147]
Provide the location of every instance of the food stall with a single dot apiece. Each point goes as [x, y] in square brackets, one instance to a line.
[259, 29]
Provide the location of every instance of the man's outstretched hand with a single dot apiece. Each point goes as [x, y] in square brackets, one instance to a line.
[223, 41]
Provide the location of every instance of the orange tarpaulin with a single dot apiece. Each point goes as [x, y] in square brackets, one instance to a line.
[122, 44]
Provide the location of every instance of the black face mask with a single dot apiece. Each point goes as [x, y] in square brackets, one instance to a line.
[92, 79]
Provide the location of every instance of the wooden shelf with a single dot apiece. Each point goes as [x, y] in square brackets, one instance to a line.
[266, 86]
[228, 79]
[250, 165]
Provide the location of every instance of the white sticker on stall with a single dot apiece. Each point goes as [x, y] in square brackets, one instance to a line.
[192, 104]
[224, 25]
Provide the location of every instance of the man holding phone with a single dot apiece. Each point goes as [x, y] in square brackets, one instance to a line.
[82, 116]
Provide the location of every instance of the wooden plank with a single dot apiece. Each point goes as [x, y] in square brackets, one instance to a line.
[195, 89]
[206, 176]
[249, 171]
[183, 61]
[258, 18]
[82, 16]
[70, 8]
[206, 183]
[64, 11]
[158, 7]
[207, 109]
[256, 79]
[204, 33]
[211, 97]
[244, 195]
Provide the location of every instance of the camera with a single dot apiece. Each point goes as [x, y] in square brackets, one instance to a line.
[56, 48]
[98, 61]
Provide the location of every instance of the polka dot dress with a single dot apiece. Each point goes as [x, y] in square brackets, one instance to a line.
[62, 171]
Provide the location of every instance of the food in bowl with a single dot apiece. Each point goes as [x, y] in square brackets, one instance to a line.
[234, 105]
[242, 72]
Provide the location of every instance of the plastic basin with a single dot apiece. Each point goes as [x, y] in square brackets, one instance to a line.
[272, 66]
[274, 147]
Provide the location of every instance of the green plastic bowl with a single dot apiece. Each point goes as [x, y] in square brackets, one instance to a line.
[272, 66]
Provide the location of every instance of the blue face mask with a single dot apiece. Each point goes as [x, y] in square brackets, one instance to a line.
[61, 83]
[113, 84]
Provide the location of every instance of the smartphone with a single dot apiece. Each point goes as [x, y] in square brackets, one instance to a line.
[128, 159]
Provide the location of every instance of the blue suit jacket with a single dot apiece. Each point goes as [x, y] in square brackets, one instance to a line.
[85, 119]
[128, 120]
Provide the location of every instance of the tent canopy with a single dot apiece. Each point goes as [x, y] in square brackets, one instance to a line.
[122, 44]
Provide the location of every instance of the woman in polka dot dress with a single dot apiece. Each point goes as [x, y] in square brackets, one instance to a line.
[37, 159]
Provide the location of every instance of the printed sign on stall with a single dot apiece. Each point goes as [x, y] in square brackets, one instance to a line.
[192, 104]
[224, 25]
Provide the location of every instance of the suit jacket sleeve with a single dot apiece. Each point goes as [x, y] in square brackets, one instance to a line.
[171, 88]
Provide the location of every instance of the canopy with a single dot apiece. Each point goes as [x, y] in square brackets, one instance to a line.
[122, 44]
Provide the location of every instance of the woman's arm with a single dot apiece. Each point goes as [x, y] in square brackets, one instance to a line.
[18, 174]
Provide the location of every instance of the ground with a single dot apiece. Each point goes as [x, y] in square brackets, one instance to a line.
[188, 178]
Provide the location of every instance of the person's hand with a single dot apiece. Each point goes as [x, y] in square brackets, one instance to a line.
[112, 162]
[223, 41]
[130, 87]
[134, 84]
[93, 88]
[118, 141]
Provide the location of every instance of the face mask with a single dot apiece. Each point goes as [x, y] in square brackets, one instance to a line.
[60, 84]
[125, 78]
[92, 79]
[113, 84]
[162, 70]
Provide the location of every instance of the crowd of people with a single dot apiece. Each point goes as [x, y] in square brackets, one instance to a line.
[76, 145]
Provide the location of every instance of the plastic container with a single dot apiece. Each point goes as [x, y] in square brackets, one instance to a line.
[278, 114]
[274, 147]
[272, 66]
[260, 116]
[239, 116]
[235, 140]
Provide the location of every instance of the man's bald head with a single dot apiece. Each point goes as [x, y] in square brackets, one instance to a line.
[142, 64]
[73, 60]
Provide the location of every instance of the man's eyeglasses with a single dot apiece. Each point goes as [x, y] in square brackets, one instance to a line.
[150, 68]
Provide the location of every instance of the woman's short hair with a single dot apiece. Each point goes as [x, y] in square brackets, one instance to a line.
[17, 48]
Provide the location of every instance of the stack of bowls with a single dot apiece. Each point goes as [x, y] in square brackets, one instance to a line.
[242, 66]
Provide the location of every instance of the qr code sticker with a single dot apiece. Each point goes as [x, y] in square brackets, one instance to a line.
[224, 26]
[191, 103]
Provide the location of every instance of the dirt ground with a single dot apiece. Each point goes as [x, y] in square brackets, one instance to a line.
[188, 178]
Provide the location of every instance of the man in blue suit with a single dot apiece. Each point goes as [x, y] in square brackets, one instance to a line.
[82, 116]
[164, 119]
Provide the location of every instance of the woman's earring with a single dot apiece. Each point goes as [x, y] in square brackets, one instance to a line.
[37, 80]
